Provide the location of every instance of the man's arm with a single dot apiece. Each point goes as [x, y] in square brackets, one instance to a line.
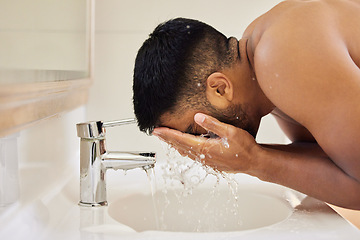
[306, 168]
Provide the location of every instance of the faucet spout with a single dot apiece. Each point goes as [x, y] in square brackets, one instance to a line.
[128, 160]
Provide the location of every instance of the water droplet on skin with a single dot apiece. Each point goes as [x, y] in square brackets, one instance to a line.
[236, 155]
[205, 135]
[253, 78]
[225, 142]
[199, 84]
[202, 156]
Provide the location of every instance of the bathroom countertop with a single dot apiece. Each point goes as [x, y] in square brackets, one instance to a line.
[50, 211]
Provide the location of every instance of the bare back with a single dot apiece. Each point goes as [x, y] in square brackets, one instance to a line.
[345, 12]
[306, 56]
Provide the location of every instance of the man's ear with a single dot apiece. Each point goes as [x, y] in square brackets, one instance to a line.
[219, 90]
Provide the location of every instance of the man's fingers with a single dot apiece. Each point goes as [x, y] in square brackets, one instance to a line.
[211, 124]
[177, 138]
[195, 144]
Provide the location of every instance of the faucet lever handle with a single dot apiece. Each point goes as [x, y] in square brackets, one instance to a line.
[96, 129]
[118, 122]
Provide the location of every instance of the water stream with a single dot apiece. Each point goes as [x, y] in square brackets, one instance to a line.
[150, 172]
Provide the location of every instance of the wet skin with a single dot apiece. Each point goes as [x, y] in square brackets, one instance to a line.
[306, 57]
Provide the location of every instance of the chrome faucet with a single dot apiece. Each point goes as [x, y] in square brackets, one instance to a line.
[95, 160]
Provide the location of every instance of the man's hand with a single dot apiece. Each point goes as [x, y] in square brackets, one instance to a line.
[233, 150]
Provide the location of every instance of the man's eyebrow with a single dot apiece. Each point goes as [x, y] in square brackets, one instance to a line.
[189, 129]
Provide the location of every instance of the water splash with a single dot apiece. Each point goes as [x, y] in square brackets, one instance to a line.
[182, 172]
[150, 172]
[186, 175]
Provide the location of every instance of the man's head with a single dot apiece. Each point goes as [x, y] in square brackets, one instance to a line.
[174, 69]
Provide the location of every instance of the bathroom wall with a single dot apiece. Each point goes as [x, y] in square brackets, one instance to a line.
[29, 159]
[120, 29]
[43, 43]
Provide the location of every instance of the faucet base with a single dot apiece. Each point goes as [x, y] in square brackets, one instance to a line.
[100, 204]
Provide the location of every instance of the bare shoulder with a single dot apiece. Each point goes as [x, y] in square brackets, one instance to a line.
[306, 65]
[302, 58]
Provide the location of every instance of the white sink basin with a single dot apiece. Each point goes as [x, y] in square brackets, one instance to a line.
[205, 210]
[49, 210]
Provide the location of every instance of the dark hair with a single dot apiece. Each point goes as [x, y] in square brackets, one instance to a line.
[171, 67]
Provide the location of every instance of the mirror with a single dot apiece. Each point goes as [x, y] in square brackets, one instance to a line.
[45, 59]
[43, 40]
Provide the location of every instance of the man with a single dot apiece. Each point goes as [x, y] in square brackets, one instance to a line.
[299, 61]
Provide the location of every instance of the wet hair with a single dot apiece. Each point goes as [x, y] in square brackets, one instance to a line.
[172, 66]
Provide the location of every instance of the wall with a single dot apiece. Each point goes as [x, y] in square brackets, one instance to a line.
[43, 35]
[122, 26]
[35, 160]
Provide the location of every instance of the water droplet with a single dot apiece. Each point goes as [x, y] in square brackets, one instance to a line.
[188, 175]
[236, 155]
[199, 84]
[225, 142]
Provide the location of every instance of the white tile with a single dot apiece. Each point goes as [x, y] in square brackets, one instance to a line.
[133, 16]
